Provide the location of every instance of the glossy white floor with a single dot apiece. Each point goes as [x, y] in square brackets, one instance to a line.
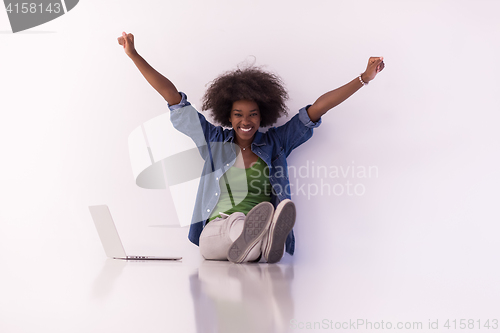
[346, 289]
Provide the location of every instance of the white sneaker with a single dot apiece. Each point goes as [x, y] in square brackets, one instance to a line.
[282, 224]
[256, 225]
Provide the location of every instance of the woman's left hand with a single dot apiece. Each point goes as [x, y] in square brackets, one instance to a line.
[375, 65]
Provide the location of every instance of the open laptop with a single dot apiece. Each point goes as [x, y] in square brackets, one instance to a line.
[111, 240]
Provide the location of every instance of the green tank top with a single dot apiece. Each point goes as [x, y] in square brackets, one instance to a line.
[247, 188]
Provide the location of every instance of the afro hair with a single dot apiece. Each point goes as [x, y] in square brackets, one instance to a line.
[254, 84]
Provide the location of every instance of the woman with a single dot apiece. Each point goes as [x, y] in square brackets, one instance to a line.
[243, 211]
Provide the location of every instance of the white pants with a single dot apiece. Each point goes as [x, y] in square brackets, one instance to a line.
[219, 234]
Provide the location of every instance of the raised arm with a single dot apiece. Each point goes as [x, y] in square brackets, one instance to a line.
[337, 96]
[161, 84]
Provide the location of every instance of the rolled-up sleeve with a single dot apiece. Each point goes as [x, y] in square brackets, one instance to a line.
[184, 102]
[304, 118]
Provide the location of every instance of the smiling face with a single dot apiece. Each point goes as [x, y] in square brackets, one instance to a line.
[245, 119]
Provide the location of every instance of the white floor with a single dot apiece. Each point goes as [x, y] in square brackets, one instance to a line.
[51, 291]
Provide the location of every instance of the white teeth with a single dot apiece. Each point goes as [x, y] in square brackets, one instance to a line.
[245, 130]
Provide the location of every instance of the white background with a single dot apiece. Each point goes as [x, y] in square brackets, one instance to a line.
[426, 228]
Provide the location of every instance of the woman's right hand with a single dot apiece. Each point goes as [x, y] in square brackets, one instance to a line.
[127, 40]
[160, 83]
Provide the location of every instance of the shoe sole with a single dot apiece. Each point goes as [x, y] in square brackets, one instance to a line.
[256, 224]
[282, 224]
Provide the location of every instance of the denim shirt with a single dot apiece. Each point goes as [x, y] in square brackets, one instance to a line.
[216, 146]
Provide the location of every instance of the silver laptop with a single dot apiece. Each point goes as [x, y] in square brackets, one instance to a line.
[111, 240]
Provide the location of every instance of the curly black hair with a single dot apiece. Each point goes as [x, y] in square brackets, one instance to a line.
[264, 88]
